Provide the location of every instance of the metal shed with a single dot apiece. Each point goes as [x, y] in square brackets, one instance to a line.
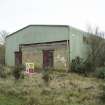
[51, 46]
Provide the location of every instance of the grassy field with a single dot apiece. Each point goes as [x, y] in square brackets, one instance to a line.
[63, 89]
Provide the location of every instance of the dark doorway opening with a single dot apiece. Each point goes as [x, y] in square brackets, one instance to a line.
[48, 58]
[18, 58]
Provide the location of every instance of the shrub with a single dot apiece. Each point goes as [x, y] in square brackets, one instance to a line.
[76, 64]
[32, 100]
[101, 73]
[18, 72]
[80, 66]
[103, 94]
[88, 66]
[46, 75]
[4, 71]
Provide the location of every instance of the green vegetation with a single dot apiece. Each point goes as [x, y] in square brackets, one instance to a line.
[2, 54]
[101, 72]
[5, 72]
[81, 67]
[63, 89]
[103, 94]
[46, 75]
[18, 72]
[8, 100]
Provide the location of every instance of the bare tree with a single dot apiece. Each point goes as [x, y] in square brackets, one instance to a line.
[3, 35]
[96, 43]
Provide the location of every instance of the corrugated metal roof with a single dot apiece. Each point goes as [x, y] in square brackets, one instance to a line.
[39, 26]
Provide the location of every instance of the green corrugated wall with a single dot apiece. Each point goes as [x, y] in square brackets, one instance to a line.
[40, 34]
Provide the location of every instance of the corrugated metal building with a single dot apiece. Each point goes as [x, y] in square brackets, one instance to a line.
[45, 45]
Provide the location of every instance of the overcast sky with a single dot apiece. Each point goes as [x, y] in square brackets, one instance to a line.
[15, 14]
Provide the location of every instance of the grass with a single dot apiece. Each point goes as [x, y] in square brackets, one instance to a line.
[63, 89]
[8, 100]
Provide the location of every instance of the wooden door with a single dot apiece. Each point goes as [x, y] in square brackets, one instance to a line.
[18, 58]
[47, 58]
